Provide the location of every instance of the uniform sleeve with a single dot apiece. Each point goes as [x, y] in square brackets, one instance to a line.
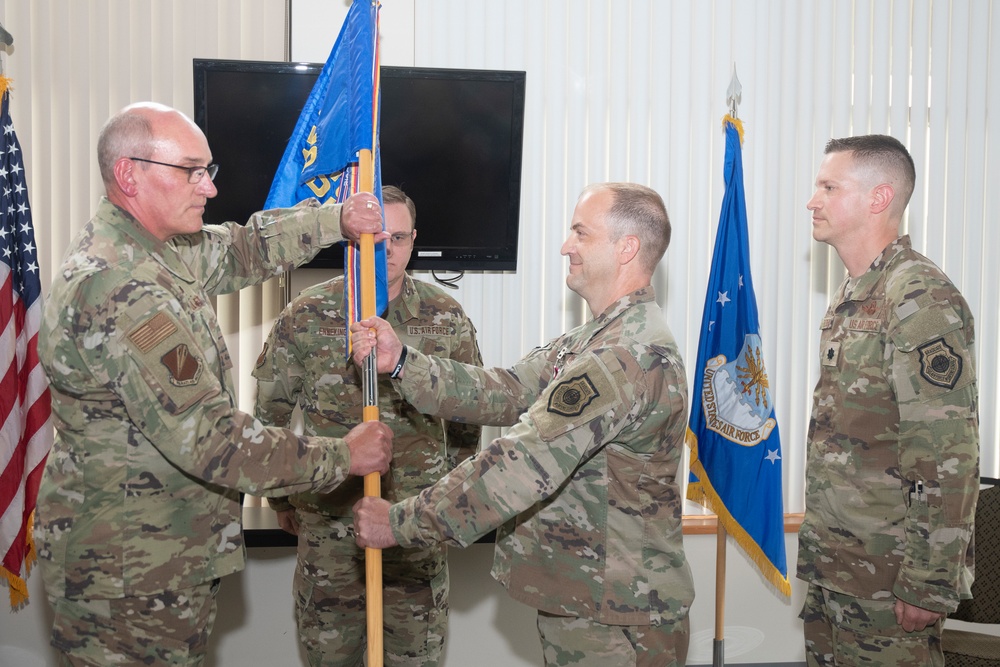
[278, 372]
[231, 256]
[461, 392]
[463, 439]
[932, 369]
[570, 421]
[168, 378]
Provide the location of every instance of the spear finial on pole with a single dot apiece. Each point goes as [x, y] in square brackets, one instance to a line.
[734, 93]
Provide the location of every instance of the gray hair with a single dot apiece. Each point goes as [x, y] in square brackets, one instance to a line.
[125, 134]
[638, 211]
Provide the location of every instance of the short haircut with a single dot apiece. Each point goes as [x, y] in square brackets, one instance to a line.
[393, 195]
[883, 159]
[638, 211]
[127, 133]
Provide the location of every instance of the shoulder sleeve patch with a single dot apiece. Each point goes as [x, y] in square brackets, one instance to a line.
[940, 364]
[153, 331]
[262, 357]
[588, 392]
[183, 367]
[570, 397]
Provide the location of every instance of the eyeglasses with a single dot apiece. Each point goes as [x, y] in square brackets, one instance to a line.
[195, 174]
[401, 240]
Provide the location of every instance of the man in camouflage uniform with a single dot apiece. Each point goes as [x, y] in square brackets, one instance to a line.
[305, 363]
[138, 512]
[584, 481]
[892, 473]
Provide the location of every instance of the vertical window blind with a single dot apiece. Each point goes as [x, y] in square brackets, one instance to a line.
[616, 91]
[636, 91]
[76, 63]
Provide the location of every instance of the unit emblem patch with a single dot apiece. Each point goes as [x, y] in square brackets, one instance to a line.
[571, 397]
[184, 367]
[939, 364]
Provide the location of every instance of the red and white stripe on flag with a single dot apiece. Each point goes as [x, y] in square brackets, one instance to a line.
[25, 425]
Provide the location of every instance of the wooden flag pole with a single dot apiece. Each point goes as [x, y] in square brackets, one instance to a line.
[718, 646]
[369, 372]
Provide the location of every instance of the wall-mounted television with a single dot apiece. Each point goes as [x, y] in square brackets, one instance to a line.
[450, 138]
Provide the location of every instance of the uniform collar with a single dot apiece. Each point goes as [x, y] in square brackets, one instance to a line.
[615, 310]
[862, 288]
[406, 306]
[163, 252]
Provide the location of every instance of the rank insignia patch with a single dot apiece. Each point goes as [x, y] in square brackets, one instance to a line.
[572, 396]
[831, 353]
[939, 364]
[184, 367]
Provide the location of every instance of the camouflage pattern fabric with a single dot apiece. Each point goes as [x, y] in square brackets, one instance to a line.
[141, 490]
[892, 473]
[568, 640]
[847, 630]
[304, 363]
[330, 594]
[166, 629]
[585, 476]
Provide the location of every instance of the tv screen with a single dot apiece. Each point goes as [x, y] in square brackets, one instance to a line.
[450, 138]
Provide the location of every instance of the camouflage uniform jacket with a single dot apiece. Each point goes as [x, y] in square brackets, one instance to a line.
[584, 481]
[895, 409]
[140, 492]
[304, 362]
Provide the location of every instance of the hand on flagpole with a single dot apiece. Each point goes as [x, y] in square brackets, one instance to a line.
[361, 214]
[375, 333]
[371, 448]
[371, 524]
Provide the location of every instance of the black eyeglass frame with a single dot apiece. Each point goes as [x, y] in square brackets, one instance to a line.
[211, 169]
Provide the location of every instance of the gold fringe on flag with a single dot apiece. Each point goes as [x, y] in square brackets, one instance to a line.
[18, 585]
[703, 493]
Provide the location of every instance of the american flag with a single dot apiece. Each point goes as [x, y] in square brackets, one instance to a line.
[25, 427]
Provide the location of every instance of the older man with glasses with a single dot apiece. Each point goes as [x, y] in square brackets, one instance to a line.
[304, 363]
[138, 512]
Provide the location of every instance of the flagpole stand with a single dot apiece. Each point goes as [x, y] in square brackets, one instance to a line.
[718, 645]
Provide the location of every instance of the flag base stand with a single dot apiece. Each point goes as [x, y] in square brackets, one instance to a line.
[718, 653]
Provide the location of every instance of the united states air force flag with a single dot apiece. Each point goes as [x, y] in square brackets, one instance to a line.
[733, 433]
[338, 121]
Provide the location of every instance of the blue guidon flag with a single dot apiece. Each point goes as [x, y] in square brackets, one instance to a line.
[339, 119]
[733, 432]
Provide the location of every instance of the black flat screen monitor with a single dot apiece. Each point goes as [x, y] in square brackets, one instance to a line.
[450, 138]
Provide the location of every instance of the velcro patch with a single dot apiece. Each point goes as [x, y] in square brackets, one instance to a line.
[184, 367]
[939, 364]
[262, 356]
[831, 354]
[153, 331]
[570, 397]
